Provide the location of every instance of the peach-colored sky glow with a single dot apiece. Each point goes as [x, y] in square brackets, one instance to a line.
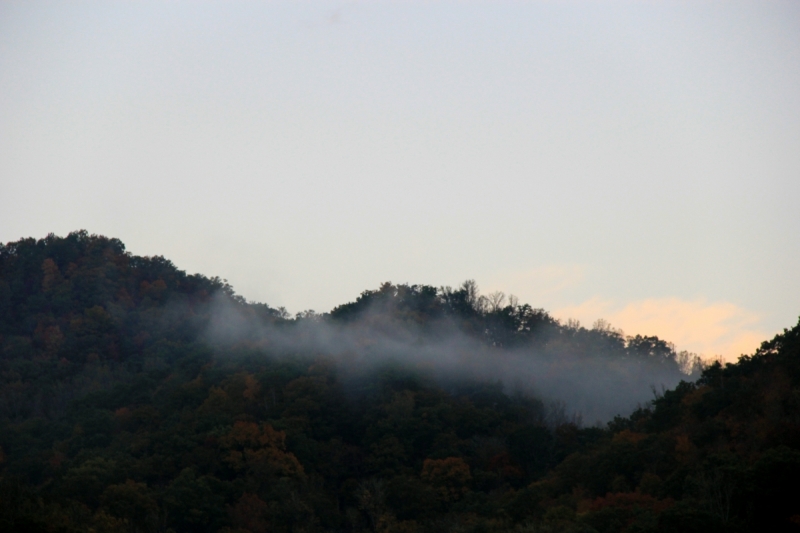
[709, 329]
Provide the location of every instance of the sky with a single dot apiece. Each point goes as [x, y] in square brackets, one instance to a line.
[635, 161]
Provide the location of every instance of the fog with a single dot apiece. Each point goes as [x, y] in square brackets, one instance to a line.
[590, 385]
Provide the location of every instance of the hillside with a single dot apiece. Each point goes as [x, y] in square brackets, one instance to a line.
[135, 397]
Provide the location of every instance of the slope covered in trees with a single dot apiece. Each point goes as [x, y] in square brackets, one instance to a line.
[135, 397]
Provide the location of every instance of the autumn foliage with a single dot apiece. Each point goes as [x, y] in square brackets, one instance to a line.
[117, 413]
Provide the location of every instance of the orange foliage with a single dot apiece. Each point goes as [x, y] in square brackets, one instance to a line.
[251, 387]
[627, 435]
[684, 449]
[449, 475]
[250, 514]
[251, 435]
[259, 449]
[502, 463]
[695, 396]
[52, 276]
[631, 501]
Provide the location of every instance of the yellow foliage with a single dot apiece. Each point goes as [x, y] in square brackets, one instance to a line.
[259, 449]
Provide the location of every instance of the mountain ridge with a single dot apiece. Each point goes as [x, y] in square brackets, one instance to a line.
[136, 397]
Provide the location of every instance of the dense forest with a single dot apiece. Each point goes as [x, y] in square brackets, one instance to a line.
[135, 397]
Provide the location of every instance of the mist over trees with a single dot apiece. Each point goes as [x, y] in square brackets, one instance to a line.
[135, 397]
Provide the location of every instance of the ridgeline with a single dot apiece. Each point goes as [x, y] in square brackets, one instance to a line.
[135, 397]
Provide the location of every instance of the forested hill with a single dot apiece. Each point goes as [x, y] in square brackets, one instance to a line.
[135, 397]
[80, 303]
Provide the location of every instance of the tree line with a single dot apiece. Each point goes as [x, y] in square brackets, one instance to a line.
[118, 413]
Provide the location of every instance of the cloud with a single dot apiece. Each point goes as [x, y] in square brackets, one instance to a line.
[707, 328]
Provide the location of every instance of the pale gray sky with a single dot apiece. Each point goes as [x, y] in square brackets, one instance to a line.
[633, 161]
